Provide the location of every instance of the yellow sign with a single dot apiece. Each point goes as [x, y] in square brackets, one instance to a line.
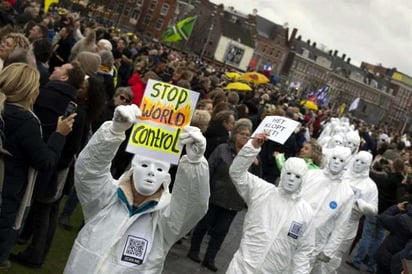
[155, 138]
[166, 109]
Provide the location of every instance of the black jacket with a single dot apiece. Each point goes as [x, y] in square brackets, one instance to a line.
[400, 232]
[215, 135]
[50, 104]
[388, 184]
[223, 192]
[24, 141]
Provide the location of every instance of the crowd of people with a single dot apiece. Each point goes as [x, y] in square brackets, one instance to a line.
[336, 182]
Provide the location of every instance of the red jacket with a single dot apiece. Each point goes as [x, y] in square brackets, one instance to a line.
[138, 87]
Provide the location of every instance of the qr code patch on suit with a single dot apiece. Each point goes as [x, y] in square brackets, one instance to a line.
[134, 250]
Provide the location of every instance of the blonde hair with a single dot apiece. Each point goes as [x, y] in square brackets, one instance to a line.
[20, 41]
[19, 82]
[200, 119]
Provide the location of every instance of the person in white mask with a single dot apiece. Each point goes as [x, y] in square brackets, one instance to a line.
[331, 199]
[365, 201]
[131, 223]
[278, 235]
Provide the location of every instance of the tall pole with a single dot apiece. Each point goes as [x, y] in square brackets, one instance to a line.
[207, 39]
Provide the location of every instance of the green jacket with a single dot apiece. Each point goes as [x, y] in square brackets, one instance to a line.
[280, 161]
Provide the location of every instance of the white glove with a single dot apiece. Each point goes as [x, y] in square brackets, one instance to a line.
[195, 143]
[124, 117]
[323, 258]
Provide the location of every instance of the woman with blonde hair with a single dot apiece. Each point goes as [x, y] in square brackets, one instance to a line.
[22, 138]
[10, 42]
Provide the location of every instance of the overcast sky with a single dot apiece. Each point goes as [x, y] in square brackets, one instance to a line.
[374, 31]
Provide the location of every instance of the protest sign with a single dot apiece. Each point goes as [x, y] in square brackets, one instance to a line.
[166, 109]
[277, 128]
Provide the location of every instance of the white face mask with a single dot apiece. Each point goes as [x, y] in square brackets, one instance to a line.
[337, 142]
[352, 146]
[148, 175]
[360, 166]
[336, 165]
[290, 182]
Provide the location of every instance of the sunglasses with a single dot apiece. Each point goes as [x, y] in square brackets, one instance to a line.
[127, 100]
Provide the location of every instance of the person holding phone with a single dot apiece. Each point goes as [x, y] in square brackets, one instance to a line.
[57, 98]
[398, 221]
[19, 88]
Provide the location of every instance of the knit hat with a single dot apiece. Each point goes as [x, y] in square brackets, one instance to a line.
[89, 62]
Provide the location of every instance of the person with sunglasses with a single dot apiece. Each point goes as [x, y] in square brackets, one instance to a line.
[122, 96]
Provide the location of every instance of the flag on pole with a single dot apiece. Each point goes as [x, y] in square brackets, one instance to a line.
[48, 3]
[180, 31]
[320, 96]
[354, 105]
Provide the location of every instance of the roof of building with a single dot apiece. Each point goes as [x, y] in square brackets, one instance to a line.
[266, 28]
[340, 64]
[237, 29]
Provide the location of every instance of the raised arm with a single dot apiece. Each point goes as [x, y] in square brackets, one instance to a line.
[248, 185]
[93, 181]
[191, 192]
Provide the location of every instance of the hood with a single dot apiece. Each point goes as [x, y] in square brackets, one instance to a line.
[158, 200]
[55, 95]
[297, 166]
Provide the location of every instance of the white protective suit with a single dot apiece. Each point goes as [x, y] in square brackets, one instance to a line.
[365, 201]
[332, 142]
[277, 232]
[112, 236]
[331, 199]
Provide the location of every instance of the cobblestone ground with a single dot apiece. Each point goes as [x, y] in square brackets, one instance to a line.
[178, 263]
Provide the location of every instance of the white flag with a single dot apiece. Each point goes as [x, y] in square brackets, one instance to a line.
[354, 105]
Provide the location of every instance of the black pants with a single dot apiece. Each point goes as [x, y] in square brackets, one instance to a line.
[8, 235]
[217, 220]
[44, 222]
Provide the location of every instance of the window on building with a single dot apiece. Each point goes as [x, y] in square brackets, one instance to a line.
[147, 20]
[139, 2]
[153, 5]
[164, 10]
[159, 24]
[135, 14]
[126, 12]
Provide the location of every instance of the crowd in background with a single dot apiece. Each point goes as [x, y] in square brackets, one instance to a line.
[100, 68]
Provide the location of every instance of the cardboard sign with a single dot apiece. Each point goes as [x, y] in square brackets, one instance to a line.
[166, 109]
[277, 128]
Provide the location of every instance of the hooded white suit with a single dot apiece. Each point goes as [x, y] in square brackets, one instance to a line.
[365, 201]
[116, 239]
[277, 233]
[331, 199]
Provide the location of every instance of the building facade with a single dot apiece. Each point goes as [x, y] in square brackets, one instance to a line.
[314, 68]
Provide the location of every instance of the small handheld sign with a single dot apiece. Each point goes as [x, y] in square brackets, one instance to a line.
[277, 128]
